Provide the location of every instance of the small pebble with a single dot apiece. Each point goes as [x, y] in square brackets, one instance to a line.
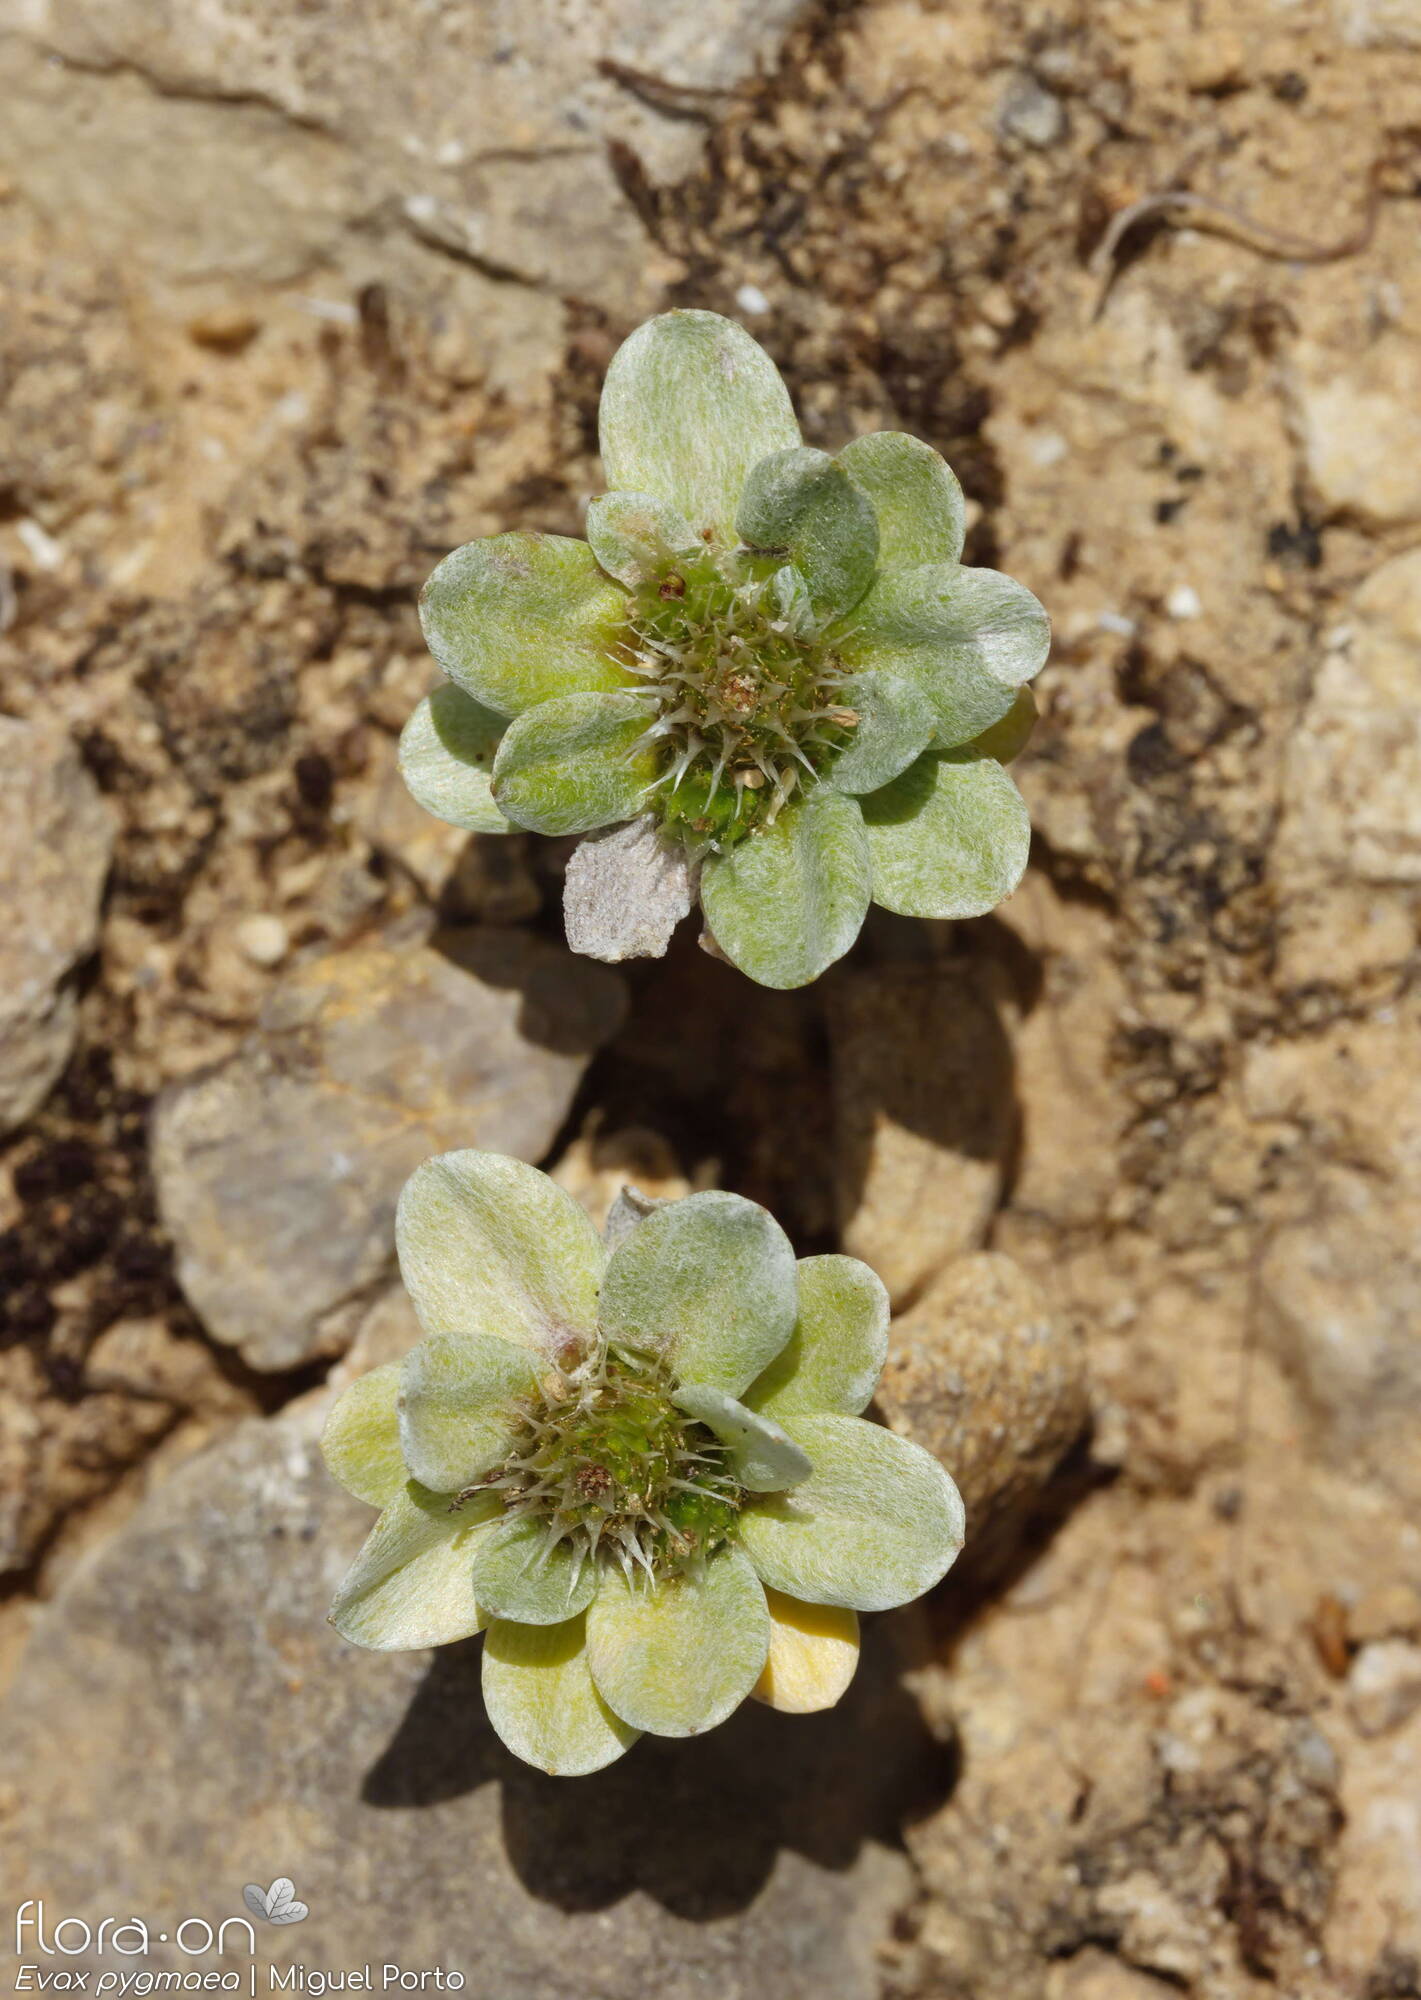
[264, 940]
[225, 330]
[751, 299]
[40, 546]
[1046, 448]
[1384, 1686]
[1031, 113]
[1183, 602]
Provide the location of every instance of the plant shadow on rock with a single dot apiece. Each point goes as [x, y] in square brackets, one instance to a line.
[784, 1093]
[570, 1013]
[695, 1824]
[919, 1041]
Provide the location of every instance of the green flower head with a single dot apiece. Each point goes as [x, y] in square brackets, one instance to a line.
[638, 1467]
[765, 679]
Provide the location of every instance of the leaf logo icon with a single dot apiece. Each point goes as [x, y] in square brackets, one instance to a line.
[276, 1905]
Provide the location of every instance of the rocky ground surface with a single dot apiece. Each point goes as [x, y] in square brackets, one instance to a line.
[290, 304]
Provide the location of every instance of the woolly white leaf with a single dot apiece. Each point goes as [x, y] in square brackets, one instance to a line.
[540, 1697]
[487, 1244]
[762, 1457]
[677, 1657]
[690, 403]
[876, 1523]
[709, 1282]
[361, 1439]
[626, 890]
[784, 904]
[832, 1361]
[518, 618]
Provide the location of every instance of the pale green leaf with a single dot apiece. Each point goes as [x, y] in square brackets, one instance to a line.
[948, 839]
[487, 1244]
[518, 618]
[576, 763]
[517, 1575]
[446, 759]
[460, 1397]
[800, 504]
[1006, 740]
[690, 403]
[785, 903]
[915, 494]
[834, 1357]
[895, 725]
[540, 1698]
[707, 1281]
[762, 1457]
[361, 1439]
[677, 1657]
[411, 1585]
[966, 637]
[637, 538]
[876, 1523]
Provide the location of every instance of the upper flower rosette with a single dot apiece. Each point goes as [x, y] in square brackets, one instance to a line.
[637, 1466]
[765, 678]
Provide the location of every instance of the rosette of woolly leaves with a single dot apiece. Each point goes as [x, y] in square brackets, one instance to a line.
[642, 1472]
[766, 679]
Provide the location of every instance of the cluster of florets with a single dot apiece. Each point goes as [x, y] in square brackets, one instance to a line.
[605, 1461]
[746, 698]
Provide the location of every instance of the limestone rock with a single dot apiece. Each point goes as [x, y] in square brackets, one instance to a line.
[983, 1376]
[61, 1453]
[1380, 24]
[1375, 1917]
[1352, 778]
[1342, 1296]
[1098, 1975]
[1136, 1840]
[1362, 434]
[382, 141]
[187, 1671]
[278, 1172]
[1392, 1611]
[56, 837]
[386, 1332]
[1340, 1285]
[924, 1114]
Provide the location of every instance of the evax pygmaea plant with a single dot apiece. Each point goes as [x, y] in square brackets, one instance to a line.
[765, 679]
[637, 1466]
